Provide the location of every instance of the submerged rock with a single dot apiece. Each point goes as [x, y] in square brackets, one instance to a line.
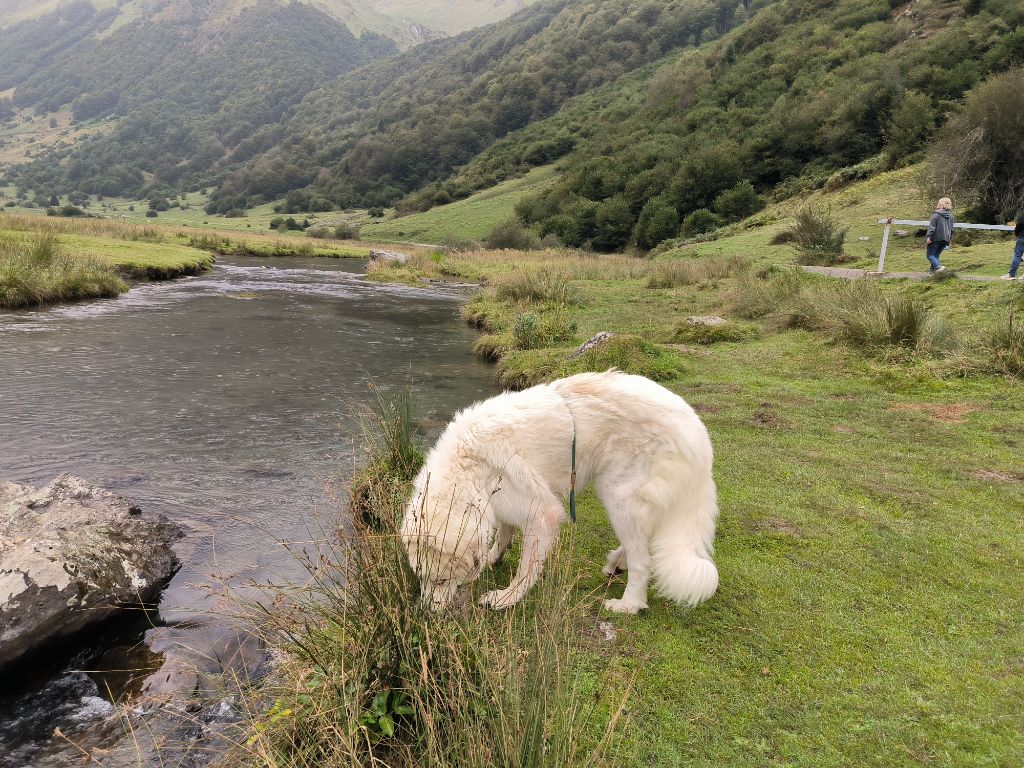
[73, 555]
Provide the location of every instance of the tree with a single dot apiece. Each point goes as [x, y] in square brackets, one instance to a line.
[978, 157]
[658, 221]
[738, 202]
[613, 224]
[908, 127]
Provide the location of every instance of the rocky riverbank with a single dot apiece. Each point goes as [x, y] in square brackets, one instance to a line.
[72, 556]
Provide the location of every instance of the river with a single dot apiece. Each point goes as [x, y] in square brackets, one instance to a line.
[228, 402]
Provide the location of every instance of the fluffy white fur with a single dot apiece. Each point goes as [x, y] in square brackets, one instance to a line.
[505, 464]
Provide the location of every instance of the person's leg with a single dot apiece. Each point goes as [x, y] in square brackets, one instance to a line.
[1018, 255]
[932, 251]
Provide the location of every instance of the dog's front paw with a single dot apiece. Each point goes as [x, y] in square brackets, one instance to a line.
[623, 606]
[498, 598]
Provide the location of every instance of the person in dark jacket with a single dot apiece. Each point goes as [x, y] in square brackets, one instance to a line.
[940, 233]
[1018, 249]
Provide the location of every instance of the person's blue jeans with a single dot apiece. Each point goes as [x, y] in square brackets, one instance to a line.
[935, 247]
[1018, 256]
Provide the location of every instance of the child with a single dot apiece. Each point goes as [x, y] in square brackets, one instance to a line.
[940, 233]
[1018, 250]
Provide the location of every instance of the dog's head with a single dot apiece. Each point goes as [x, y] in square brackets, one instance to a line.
[446, 535]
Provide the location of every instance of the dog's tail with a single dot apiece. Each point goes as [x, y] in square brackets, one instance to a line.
[681, 546]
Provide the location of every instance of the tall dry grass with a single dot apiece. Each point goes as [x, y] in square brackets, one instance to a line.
[369, 676]
[37, 270]
[709, 269]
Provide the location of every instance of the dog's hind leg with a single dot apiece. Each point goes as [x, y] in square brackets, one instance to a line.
[630, 516]
[501, 541]
[615, 562]
[540, 535]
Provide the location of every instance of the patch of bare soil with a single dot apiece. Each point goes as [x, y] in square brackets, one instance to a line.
[766, 416]
[951, 413]
[999, 477]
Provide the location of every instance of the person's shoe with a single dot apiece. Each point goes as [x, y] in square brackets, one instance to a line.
[1008, 277]
[941, 268]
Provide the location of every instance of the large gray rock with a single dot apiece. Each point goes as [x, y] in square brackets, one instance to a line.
[389, 256]
[72, 555]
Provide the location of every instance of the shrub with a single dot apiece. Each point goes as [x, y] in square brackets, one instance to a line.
[909, 126]
[346, 230]
[669, 274]
[706, 333]
[234, 213]
[526, 331]
[538, 285]
[151, 214]
[818, 237]
[658, 221]
[1006, 343]
[978, 156]
[613, 224]
[511, 234]
[375, 213]
[282, 224]
[700, 221]
[318, 233]
[739, 202]
[532, 332]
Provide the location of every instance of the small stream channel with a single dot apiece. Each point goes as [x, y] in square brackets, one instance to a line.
[227, 402]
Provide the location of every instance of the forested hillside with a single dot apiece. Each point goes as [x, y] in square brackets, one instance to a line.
[184, 92]
[802, 90]
[664, 117]
[397, 124]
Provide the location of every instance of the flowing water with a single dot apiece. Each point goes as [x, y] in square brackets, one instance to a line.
[228, 402]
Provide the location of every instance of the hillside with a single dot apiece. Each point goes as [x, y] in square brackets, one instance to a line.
[647, 129]
[779, 105]
[663, 118]
[400, 123]
[180, 92]
[407, 23]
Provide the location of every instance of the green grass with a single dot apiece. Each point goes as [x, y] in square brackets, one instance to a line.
[469, 219]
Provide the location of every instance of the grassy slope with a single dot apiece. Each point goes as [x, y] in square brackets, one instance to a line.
[898, 195]
[869, 541]
[469, 219]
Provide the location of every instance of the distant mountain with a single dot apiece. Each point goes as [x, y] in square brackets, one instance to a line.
[407, 22]
[182, 86]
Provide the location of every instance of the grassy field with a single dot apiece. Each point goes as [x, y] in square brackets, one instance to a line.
[141, 253]
[870, 486]
[46, 260]
[469, 219]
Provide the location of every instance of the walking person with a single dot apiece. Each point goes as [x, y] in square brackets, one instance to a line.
[940, 233]
[1018, 249]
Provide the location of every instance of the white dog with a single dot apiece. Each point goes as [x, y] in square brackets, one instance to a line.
[507, 463]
